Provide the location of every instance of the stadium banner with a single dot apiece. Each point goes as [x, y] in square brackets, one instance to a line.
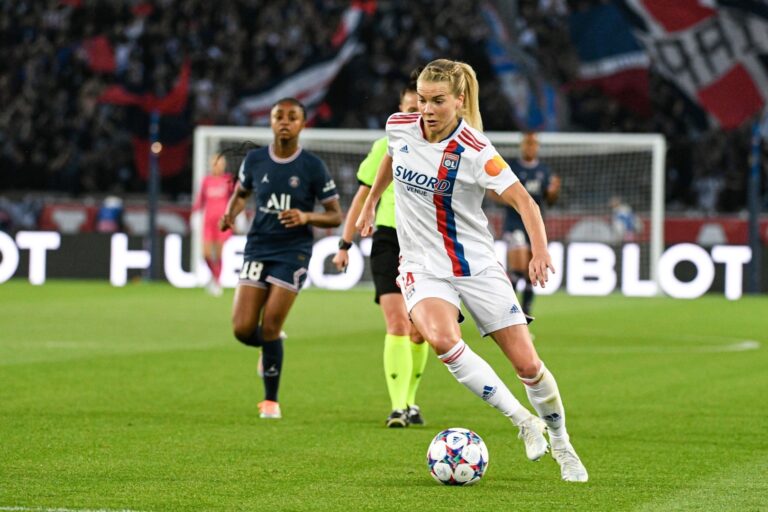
[610, 57]
[585, 269]
[175, 124]
[715, 52]
[532, 100]
[99, 54]
[311, 84]
[133, 219]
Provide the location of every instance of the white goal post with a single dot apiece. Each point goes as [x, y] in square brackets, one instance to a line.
[604, 176]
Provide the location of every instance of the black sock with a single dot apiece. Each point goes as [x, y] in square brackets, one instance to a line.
[527, 297]
[272, 360]
[515, 277]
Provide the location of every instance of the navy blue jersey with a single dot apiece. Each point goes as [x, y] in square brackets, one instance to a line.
[535, 178]
[282, 184]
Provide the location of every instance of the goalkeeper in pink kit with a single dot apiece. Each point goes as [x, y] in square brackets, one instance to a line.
[212, 200]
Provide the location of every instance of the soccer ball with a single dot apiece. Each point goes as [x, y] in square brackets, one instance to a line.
[457, 456]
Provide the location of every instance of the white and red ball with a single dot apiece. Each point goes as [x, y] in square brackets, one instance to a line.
[457, 456]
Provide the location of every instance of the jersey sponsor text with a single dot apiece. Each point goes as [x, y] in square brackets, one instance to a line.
[422, 181]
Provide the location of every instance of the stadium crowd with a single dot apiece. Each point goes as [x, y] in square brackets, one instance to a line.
[59, 55]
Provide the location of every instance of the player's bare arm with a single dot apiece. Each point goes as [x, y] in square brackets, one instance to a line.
[367, 216]
[541, 263]
[341, 260]
[236, 204]
[330, 218]
[493, 196]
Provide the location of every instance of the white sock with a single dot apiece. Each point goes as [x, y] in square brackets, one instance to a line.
[545, 398]
[478, 376]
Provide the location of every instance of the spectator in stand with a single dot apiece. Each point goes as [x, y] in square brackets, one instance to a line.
[52, 71]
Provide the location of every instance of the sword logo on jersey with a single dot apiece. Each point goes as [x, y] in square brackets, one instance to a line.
[421, 183]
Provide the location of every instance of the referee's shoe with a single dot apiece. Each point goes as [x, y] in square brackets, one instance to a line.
[414, 416]
[397, 419]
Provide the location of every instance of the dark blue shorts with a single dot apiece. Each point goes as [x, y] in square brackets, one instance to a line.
[262, 274]
[515, 234]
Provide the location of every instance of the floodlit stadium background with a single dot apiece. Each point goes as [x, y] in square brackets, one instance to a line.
[121, 386]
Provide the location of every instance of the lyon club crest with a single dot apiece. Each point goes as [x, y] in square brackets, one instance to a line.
[451, 161]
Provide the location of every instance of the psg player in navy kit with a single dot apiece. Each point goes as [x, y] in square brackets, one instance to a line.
[543, 186]
[287, 181]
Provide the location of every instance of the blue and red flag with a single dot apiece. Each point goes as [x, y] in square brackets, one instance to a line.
[610, 57]
[714, 51]
[310, 84]
[99, 54]
[175, 125]
[532, 99]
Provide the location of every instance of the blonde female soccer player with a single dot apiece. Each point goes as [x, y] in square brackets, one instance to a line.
[448, 256]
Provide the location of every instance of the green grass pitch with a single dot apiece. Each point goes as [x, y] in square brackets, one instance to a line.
[139, 398]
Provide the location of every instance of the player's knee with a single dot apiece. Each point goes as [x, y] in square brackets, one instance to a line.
[528, 369]
[270, 327]
[243, 330]
[442, 342]
[416, 337]
[399, 326]
[242, 334]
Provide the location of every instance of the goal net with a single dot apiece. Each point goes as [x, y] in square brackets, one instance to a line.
[612, 184]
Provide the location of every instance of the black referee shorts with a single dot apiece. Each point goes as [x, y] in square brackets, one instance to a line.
[385, 258]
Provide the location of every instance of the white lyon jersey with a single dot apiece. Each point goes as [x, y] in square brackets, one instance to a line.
[439, 190]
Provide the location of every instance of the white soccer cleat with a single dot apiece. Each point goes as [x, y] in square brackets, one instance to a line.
[214, 288]
[571, 467]
[532, 433]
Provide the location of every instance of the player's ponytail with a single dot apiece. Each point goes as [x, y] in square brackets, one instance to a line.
[471, 108]
[463, 81]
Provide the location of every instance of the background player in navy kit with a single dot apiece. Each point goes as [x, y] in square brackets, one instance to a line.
[287, 181]
[542, 185]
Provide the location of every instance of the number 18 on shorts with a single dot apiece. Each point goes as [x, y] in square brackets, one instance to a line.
[261, 274]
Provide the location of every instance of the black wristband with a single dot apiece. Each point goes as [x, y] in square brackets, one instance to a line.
[344, 245]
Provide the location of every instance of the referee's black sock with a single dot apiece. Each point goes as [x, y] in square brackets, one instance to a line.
[272, 360]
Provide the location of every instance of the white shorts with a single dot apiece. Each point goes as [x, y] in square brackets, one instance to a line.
[488, 296]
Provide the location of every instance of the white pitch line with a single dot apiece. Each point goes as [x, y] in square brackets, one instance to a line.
[67, 351]
[738, 346]
[741, 346]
